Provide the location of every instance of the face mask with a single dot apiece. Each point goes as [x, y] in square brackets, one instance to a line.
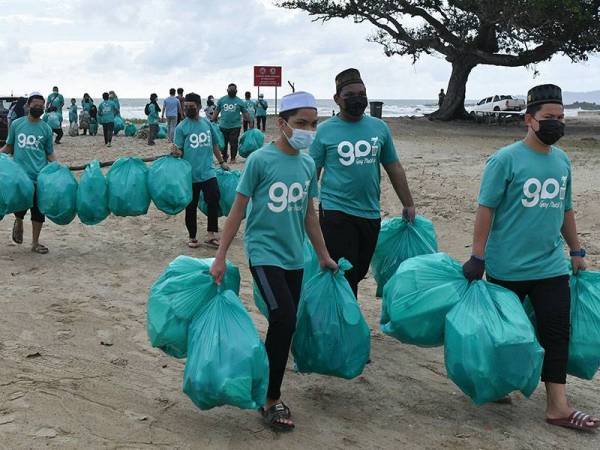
[232, 93]
[191, 112]
[300, 139]
[36, 111]
[355, 105]
[551, 130]
[209, 102]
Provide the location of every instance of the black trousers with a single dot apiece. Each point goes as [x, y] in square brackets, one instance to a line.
[107, 130]
[353, 238]
[551, 300]
[212, 195]
[232, 137]
[263, 120]
[36, 215]
[152, 133]
[59, 134]
[246, 124]
[281, 291]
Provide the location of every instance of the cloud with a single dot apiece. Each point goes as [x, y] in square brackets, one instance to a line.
[14, 53]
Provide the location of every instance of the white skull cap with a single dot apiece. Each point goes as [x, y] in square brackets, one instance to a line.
[298, 100]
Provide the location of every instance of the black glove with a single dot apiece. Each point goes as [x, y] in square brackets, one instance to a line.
[474, 268]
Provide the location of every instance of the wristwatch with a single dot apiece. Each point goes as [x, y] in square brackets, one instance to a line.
[581, 253]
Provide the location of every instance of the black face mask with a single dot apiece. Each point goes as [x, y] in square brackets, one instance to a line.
[355, 105]
[551, 130]
[232, 93]
[209, 102]
[36, 111]
[191, 112]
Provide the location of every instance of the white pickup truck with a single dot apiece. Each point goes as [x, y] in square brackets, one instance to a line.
[499, 103]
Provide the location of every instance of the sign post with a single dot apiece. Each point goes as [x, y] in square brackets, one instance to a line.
[268, 76]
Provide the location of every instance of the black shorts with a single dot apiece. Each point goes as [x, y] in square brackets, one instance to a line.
[36, 215]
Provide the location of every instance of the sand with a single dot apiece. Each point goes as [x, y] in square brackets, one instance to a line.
[77, 371]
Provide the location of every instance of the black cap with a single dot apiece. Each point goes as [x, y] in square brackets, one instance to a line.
[346, 77]
[544, 93]
[193, 97]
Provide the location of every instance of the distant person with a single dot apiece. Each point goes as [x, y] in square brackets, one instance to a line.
[57, 100]
[17, 109]
[113, 96]
[93, 120]
[30, 142]
[181, 98]
[53, 119]
[152, 109]
[172, 108]
[251, 107]
[73, 126]
[231, 107]
[195, 141]
[107, 112]
[209, 111]
[441, 97]
[261, 112]
[84, 117]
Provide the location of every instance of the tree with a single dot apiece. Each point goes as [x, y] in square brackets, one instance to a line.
[510, 33]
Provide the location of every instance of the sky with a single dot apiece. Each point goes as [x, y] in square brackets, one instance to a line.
[136, 48]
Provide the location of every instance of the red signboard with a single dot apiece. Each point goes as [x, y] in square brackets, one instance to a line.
[267, 76]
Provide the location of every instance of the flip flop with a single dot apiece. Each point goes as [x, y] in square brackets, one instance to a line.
[17, 236]
[40, 249]
[212, 243]
[577, 421]
[275, 414]
[193, 243]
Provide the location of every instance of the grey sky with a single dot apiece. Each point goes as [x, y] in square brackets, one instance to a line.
[140, 47]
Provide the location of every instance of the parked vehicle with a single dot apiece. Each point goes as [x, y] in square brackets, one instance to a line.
[5, 103]
[498, 103]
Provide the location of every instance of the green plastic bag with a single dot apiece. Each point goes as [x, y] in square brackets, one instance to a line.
[418, 296]
[16, 188]
[398, 241]
[490, 345]
[119, 124]
[57, 193]
[228, 182]
[130, 130]
[92, 195]
[128, 187]
[227, 362]
[170, 184]
[332, 336]
[162, 131]
[176, 296]
[219, 138]
[251, 140]
[311, 269]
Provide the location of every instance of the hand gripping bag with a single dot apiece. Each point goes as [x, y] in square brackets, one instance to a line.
[92, 195]
[251, 140]
[332, 336]
[490, 345]
[57, 193]
[128, 187]
[418, 296]
[227, 363]
[177, 295]
[119, 124]
[218, 134]
[398, 241]
[170, 184]
[16, 188]
[130, 130]
[228, 182]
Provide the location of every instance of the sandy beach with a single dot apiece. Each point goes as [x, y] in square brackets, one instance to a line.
[77, 370]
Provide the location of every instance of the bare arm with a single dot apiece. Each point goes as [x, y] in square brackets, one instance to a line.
[8, 148]
[398, 178]
[215, 115]
[569, 232]
[319, 170]
[313, 230]
[52, 157]
[162, 115]
[483, 224]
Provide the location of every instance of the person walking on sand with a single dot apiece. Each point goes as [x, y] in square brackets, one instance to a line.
[525, 211]
[57, 100]
[261, 112]
[73, 126]
[53, 119]
[209, 111]
[231, 108]
[181, 98]
[195, 141]
[441, 97]
[84, 117]
[30, 142]
[152, 109]
[276, 226]
[349, 148]
[172, 108]
[251, 108]
[107, 111]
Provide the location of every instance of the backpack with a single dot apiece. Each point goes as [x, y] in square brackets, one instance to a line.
[147, 109]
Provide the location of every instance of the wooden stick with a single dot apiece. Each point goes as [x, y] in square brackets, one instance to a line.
[110, 163]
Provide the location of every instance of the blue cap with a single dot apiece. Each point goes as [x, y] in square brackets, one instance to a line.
[297, 100]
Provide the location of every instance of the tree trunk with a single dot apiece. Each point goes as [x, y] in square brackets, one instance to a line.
[453, 106]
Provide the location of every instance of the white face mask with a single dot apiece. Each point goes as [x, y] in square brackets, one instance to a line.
[300, 139]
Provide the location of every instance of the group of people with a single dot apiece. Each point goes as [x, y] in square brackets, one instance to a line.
[525, 209]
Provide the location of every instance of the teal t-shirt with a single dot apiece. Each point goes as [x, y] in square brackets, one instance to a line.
[251, 107]
[87, 105]
[350, 154]
[153, 116]
[530, 192]
[195, 138]
[73, 113]
[279, 186]
[107, 111]
[115, 100]
[231, 109]
[31, 143]
[261, 108]
[57, 100]
[53, 119]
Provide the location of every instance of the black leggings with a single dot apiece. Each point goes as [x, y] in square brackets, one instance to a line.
[262, 119]
[551, 300]
[212, 195]
[232, 137]
[107, 130]
[353, 238]
[281, 291]
[36, 215]
[59, 134]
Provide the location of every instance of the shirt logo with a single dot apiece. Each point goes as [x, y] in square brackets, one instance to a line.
[228, 107]
[543, 193]
[283, 197]
[363, 152]
[198, 139]
[29, 141]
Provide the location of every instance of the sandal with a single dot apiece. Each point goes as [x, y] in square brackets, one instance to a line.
[193, 243]
[212, 243]
[577, 421]
[39, 248]
[274, 416]
[17, 236]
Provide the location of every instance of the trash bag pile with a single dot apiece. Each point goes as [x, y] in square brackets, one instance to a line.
[227, 181]
[332, 336]
[57, 193]
[162, 131]
[16, 188]
[170, 184]
[128, 187]
[251, 140]
[130, 129]
[119, 124]
[398, 241]
[92, 195]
